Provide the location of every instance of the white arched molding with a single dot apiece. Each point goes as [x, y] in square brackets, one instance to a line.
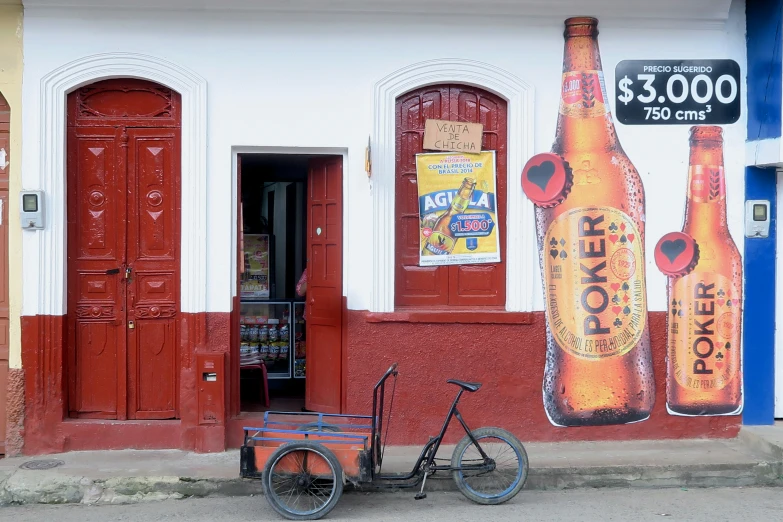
[519, 229]
[52, 251]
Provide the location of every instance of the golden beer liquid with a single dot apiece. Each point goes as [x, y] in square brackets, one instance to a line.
[442, 240]
[613, 383]
[705, 306]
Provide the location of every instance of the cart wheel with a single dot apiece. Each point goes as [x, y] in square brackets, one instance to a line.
[303, 480]
[314, 426]
[510, 466]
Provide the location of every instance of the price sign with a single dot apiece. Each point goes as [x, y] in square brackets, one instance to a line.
[677, 92]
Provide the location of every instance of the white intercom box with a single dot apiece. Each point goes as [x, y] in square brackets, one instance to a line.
[757, 218]
[31, 209]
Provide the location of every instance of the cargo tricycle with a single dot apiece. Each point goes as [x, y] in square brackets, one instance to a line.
[304, 459]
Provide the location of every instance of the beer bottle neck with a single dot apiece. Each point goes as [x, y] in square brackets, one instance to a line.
[706, 201]
[585, 121]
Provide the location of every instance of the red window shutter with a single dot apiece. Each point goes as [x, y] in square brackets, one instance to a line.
[464, 285]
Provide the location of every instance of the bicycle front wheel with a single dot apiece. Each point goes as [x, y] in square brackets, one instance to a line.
[507, 471]
[303, 480]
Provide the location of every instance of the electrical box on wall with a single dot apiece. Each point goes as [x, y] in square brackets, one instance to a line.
[31, 209]
[757, 218]
[211, 377]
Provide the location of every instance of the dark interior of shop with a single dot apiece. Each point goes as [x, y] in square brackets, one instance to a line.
[273, 214]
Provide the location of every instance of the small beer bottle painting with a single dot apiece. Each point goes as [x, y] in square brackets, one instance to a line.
[589, 213]
[704, 291]
[442, 241]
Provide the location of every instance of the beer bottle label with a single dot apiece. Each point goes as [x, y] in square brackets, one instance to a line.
[594, 271]
[708, 183]
[704, 331]
[439, 244]
[583, 94]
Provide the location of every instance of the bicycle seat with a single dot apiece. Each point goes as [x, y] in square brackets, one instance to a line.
[467, 386]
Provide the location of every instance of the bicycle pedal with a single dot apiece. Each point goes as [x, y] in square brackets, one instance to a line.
[420, 496]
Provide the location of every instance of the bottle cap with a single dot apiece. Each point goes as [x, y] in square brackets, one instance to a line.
[676, 254]
[547, 179]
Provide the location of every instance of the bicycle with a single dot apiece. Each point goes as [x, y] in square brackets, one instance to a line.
[305, 468]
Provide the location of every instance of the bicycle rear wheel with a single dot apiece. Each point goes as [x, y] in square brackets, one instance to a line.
[500, 483]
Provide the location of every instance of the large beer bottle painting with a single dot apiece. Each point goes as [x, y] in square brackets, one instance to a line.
[590, 213]
[704, 269]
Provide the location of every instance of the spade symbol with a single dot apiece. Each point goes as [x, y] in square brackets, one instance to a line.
[728, 346]
[626, 287]
[541, 174]
[679, 313]
[672, 249]
[626, 310]
[553, 253]
[623, 239]
[563, 254]
[674, 313]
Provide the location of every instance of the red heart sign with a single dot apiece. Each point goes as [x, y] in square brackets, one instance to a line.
[616, 310]
[719, 365]
[615, 286]
[676, 254]
[546, 179]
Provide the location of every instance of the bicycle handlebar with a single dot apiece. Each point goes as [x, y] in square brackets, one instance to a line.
[391, 371]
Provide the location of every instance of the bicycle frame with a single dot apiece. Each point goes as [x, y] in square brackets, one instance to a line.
[428, 452]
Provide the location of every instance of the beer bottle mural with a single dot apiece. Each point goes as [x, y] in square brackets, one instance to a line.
[590, 228]
[704, 291]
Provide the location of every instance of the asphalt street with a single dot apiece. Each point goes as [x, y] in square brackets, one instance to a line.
[589, 505]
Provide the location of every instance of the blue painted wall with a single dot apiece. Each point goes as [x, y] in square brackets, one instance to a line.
[764, 114]
[763, 19]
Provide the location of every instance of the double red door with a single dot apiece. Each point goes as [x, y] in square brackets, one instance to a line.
[123, 251]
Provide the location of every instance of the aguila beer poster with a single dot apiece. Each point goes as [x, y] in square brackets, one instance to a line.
[457, 208]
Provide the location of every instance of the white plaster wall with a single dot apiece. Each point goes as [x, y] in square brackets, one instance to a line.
[306, 80]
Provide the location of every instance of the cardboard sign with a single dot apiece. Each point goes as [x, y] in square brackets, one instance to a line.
[453, 136]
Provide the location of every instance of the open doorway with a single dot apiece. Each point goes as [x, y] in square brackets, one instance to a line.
[290, 282]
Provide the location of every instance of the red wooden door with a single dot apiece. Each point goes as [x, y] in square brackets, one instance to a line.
[460, 285]
[5, 150]
[123, 251]
[324, 285]
[153, 288]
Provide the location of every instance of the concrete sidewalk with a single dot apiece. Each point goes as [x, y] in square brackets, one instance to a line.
[755, 458]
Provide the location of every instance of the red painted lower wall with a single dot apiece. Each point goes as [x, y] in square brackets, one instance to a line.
[509, 361]
[47, 428]
[507, 358]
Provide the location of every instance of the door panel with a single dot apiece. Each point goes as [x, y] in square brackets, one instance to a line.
[415, 285]
[324, 285]
[5, 158]
[483, 284]
[153, 287]
[460, 285]
[96, 293]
